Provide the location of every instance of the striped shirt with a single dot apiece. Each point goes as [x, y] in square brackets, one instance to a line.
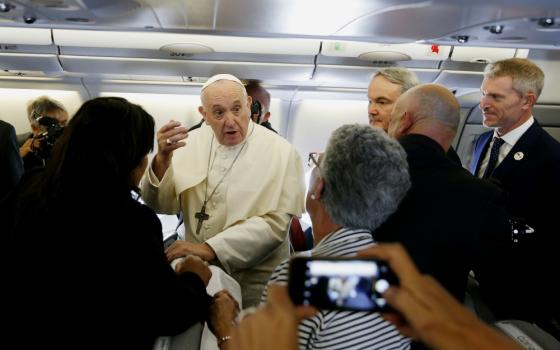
[330, 329]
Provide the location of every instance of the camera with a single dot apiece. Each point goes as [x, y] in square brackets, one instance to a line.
[256, 111]
[48, 138]
[354, 284]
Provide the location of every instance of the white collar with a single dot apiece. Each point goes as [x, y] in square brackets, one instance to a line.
[514, 135]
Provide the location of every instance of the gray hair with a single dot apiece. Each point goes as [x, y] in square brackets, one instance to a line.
[42, 105]
[525, 75]
[365, 175]
[403, 77]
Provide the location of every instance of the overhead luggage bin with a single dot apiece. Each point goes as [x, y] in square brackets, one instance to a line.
[46, 63]
[25, 36]
[185, 43]
[187, 68]
[483, 54]
[385, 52]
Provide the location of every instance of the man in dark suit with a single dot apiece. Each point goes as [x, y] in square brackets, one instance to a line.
[450, 221]
[525, 160]
[10, 162]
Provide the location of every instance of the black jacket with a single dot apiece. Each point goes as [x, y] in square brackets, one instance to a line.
[92, 273]
[450, 222]
[530, 174]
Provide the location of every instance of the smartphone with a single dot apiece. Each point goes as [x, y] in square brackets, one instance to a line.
[354, 284]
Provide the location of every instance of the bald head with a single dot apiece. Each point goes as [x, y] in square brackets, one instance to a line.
[428, 109]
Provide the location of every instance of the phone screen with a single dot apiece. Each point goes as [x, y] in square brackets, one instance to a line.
[345, 284]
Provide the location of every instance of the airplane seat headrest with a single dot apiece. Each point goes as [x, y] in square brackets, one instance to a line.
[528, 335]
[474, 301]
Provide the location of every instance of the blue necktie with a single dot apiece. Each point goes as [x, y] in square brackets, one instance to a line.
[494, 153]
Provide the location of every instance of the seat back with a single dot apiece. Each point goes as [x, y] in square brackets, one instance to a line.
[300, 240]
[528, 335]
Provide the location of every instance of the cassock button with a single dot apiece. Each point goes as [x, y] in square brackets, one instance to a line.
[518, 156]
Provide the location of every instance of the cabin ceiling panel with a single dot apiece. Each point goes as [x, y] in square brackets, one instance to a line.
[459, 79]
[527, 31]
[549, 62]
[384, 21]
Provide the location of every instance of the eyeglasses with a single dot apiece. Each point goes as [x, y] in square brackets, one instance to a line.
[313, 160]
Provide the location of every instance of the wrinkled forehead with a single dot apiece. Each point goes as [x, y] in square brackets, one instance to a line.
[497, 83]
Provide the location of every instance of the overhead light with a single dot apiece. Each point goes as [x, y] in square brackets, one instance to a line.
[384, 56]
[546, 22]
[187, 48]
[462, 39]
[6, 6]
[497, 29]
[29, 19]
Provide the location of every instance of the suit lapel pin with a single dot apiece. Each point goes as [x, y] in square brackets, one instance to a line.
[518, 155]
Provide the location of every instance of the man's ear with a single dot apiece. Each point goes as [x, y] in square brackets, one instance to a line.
[202, 113]
[530, 100]
[406, 123]
[265, 117]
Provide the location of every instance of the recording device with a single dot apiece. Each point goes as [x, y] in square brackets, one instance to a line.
[48, 138]
[256, 111]
[354, 284]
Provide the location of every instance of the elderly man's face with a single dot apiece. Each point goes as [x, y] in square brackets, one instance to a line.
[382, 95]
[227, 110]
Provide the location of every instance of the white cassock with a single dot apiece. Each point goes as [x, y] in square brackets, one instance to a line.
[249, 211]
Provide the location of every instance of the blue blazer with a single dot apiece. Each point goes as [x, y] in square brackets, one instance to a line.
[530, 179]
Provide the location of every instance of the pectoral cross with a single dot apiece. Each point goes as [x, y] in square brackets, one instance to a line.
[201, 216]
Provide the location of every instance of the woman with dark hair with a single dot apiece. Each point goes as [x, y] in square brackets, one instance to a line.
[86, 264]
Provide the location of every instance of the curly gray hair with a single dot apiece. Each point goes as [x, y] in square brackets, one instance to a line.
[365, 176]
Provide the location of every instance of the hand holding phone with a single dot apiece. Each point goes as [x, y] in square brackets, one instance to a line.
[340, 283]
